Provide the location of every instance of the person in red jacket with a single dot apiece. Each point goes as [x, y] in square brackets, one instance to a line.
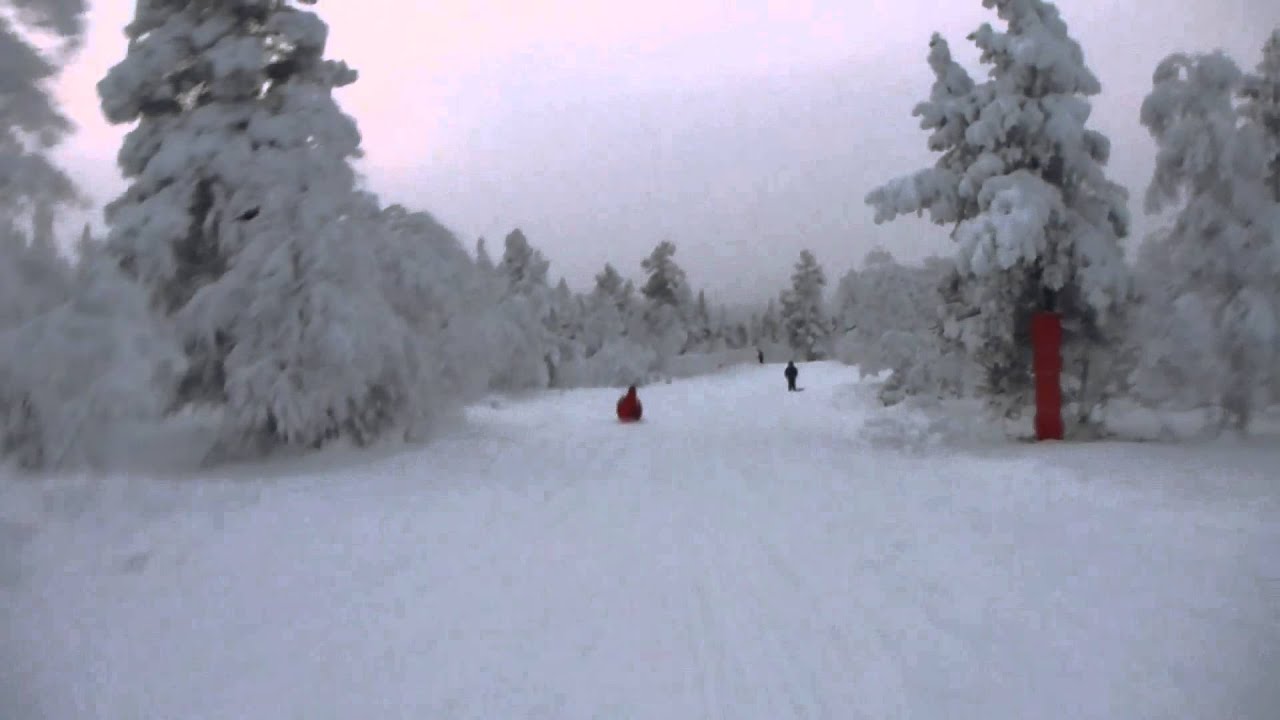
[629, 407]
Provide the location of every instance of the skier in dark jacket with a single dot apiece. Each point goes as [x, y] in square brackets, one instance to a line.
[792, 373]
[760, 356]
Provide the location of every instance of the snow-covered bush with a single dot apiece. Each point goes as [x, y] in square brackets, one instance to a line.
[34, 277]
[889, 318]
[1020, 178]
[618, 363]
[76, 380]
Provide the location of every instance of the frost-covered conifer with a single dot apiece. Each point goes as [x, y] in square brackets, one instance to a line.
[1020, 179]
[30, 122]
[667, 299]
[34, 277]
[242, 220]
[1260, 91]
[1223, 250]
[483, 260]
[524, 346]
[523, 266]
[803, 318]
[770, 325]
[610, 354]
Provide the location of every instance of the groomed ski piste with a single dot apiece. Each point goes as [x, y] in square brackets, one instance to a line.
[744, 553]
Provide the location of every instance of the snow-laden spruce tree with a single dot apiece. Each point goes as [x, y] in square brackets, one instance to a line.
[242, 219]
[1260, 92]
[564, 323]
[523, 266]
[604, 312]
[1020, 180]
[803, 316]
[609, 353]
[1223, 250]
[700, 335]
[34, 277]
[667, 300]
[444, 298]
[78, 381]
[30, 122]
[1173, 356]
[484, 261]
[1261, 107]
[524, 346]
[770, 330]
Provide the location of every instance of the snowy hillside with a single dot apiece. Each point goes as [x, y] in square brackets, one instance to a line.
[743, 553]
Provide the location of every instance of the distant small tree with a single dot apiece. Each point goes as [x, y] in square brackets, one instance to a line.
[483, 260]
[523, 266]
[667, 300]
[770, 325]
[803, 318]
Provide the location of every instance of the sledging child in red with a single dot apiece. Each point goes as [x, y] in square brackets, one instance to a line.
[629, 407]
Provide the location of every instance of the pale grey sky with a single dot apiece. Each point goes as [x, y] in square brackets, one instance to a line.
[743, 131]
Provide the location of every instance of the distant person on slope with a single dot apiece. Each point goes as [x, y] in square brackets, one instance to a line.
[629, 407]
[792, 373]
[760, 355]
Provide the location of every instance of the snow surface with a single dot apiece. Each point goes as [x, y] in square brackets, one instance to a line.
[744, 552]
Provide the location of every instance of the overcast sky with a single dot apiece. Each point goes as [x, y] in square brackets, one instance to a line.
[743, 131]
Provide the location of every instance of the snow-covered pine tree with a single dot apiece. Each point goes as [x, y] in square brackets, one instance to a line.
[1224, 246]
[526, 348]
[1261, 107]
[242, 220]
[34, 277]
[446, 300]
[1260, 92]
[523, 266]
[484, 261]
[610, 354]
[770, 325]
[803, 316]
[700, 331]
[609, 283]
[30, 122]
[1037, 223]
[667, 300]
[564, 323]
[604, 319]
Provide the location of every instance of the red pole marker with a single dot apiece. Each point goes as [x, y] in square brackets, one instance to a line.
[1046, 343]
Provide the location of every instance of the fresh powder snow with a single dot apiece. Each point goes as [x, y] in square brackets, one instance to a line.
[742, 553]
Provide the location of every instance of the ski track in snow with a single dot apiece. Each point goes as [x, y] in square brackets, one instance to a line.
[742, 553]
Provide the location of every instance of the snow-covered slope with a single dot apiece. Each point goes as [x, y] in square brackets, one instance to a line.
[743, 553]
